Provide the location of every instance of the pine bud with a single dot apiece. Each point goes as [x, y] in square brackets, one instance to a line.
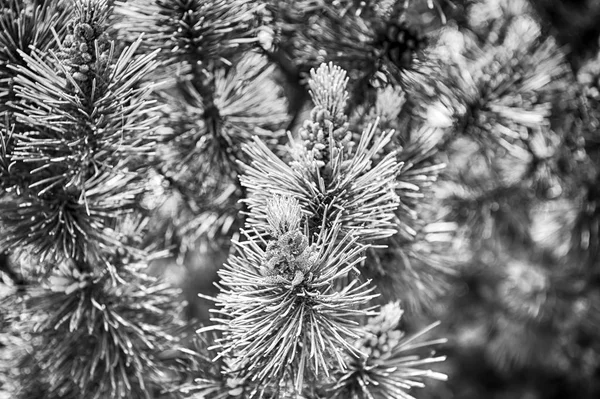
[283, 215]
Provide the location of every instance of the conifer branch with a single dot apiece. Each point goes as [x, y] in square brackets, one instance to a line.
[86, 119]
[215, 99]
[247, 102]
[65, 225]
[502, 109]
[342, 184]
[199, 33]
[25, 26]
[390, 366]
[284, 315]
[288, 292]
[95, 339]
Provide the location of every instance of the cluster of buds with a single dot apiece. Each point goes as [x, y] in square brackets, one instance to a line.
[288, 257]
[381, 332]
[390, 367]
[85, 39]
[327, 133]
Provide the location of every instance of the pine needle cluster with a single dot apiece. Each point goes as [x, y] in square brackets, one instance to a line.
[77, 134]
[290, 301]
[386, 369]
[216, 94]
[92, 337]
[73, 144]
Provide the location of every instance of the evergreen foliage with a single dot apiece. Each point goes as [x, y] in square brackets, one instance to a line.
[341, 188]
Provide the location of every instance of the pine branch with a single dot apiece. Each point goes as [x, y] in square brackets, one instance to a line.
[86, 119]
[391, 365]
[97, 119]
[288, 300]
[62, 225]
[504, 108]
[201, 150]
[325, 176]
[95, 339]
[203, 35]
[25, 26]
[215, 100]
[246, 102]
[284, 316]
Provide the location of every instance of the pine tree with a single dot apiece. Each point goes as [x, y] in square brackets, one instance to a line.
[338, 186]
